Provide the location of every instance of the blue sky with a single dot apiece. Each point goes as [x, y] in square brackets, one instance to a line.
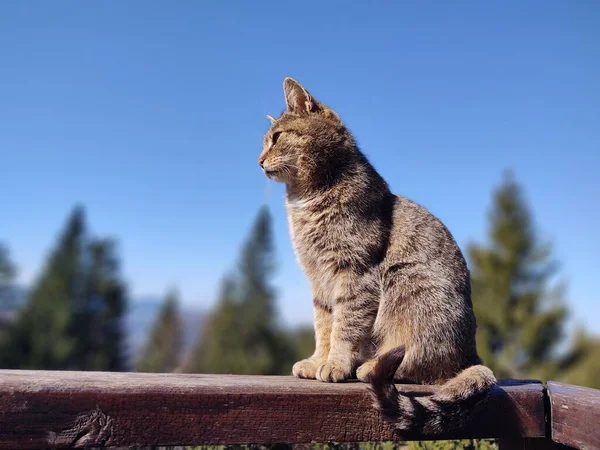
[151, 114]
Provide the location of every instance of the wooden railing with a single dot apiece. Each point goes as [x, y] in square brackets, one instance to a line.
[42, 409]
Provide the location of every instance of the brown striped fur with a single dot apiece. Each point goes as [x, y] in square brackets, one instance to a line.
[391, 289]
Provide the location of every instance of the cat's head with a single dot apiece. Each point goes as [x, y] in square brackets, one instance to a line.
[307, 142]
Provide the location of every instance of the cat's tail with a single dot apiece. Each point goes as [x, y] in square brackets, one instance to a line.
[450, 408]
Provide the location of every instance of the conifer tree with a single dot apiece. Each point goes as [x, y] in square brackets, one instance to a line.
[220, 346]
[72, 318]
[41, 338]
[99, 323]
[7, 274]
[520, 313]
[7, 298]
[242, 334]
[266, 345]
[163, 348]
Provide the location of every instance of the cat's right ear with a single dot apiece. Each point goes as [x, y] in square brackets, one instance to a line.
[298, 99]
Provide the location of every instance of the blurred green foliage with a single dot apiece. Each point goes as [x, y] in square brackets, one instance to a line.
[165, 343]
[72, 318]
[7, 274]
[521, 313]
[464, 444]
[242, 334]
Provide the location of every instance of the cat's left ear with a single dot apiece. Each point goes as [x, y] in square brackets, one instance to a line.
[298, 99]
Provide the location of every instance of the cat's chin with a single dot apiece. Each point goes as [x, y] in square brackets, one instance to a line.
[274, 175]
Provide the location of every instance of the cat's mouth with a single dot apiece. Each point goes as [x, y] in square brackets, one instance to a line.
[272, 173]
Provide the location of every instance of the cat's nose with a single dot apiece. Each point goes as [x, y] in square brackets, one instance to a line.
[261, 163]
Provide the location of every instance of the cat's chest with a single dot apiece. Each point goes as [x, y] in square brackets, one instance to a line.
[321, 239]
[330, 248]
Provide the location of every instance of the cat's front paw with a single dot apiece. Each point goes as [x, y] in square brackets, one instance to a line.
[333, 372]
[307, 368]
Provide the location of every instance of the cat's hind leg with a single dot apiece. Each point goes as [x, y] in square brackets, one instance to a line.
[390, 330]
[364, 371]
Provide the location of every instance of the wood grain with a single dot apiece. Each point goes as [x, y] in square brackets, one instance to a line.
[575, 415]
[41, 409]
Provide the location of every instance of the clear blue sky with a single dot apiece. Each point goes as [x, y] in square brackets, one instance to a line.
[151, 114]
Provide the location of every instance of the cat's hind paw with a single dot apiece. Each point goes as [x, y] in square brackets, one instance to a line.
[363, 373]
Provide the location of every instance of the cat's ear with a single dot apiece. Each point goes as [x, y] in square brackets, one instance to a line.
[298, 100]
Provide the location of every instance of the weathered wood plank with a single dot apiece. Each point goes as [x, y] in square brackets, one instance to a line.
[76, 409]
[575, 413]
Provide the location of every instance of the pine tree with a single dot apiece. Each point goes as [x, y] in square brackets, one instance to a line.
[220, 345]
[40, 338]
[242, 334]
[99, 322]
[266, 346]
[520, 314]
[7, 298]
[72, 317]
[7, 274]
[163, 349]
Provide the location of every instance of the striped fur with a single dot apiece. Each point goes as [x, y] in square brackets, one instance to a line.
[391, 289]
[450, 408]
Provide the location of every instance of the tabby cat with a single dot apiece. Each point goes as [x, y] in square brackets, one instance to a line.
[390, 287]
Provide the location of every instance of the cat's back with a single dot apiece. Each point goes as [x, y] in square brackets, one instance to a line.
[418, 235]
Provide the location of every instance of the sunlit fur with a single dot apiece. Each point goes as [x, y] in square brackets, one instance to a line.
[391, 289]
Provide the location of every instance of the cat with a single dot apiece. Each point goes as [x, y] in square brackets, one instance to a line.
[390, 287]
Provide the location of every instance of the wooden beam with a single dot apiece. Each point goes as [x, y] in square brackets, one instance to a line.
[575, 414]
[41, 409]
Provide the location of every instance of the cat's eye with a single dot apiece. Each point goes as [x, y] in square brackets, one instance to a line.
[276, 136]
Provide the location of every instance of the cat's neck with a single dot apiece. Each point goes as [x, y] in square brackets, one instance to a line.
[356, 182]
[296, 202]
[298, 196]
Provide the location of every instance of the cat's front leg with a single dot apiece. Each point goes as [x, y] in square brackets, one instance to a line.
[307, 368]
[353, 319]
